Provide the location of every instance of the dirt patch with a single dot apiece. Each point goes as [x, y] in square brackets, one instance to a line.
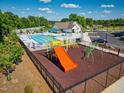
[25, 74]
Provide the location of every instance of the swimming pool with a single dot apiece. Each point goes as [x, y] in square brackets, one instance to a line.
[42, 38]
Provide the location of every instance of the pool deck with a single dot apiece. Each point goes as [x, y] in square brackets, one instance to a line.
[86, 67]
[39, 41]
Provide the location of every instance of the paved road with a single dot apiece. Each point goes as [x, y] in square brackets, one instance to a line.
[112, 41]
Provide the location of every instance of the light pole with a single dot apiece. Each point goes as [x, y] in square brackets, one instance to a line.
[106, 33]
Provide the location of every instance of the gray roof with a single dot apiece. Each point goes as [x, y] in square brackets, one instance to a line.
[64, 25]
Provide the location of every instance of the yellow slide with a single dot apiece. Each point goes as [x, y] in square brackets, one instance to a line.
[65, 60]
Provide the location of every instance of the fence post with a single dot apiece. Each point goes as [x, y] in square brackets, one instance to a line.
[120, 70]
[85, 86]
[106, 78]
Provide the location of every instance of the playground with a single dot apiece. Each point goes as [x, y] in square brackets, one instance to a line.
[68, 66]
[74, 68]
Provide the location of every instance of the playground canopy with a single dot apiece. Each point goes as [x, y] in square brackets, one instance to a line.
[55, 29]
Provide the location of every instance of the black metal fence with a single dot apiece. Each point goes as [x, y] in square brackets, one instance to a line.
[57, 88]
[107, 72]
[54, 85]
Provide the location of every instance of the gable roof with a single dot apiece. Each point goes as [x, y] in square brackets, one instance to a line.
[64, 25]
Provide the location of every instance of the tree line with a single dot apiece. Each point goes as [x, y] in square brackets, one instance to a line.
[110, 22]
[10, 21]
[84, 22]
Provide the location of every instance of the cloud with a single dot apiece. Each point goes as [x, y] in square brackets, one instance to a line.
[70, 5]
[27, 9]
[107, 6]
[95, 12]
[83, 13]
[90, 12]
[13, 7]
[107, 11]
[44, 9]
[40, 15]
[102, 16]
[123, 14]
[23, 12]
[45, 1]
[47, 10]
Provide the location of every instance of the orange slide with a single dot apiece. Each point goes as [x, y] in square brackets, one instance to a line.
[65, 61]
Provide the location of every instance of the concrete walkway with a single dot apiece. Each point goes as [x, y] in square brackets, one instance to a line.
[102, 49]
[117, 87]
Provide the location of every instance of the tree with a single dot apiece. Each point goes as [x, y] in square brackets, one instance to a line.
[34, 21]
[65, 20]
[1, 31]
[82, 21]
[8, 22]
[79, 19]
[0, 11]
[11, 19]
[89, 22]
[10, 52]
[73, 17]
[25, 23]
[4, 27]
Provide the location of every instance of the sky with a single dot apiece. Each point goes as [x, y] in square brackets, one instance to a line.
[55, 10]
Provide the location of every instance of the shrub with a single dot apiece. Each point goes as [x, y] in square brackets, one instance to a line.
[27, 31]
[21, 31]
[41, 29]
[28, 89]
[36, 31]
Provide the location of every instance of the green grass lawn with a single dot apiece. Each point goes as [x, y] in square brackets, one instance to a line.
[122, 42]
[111, 28]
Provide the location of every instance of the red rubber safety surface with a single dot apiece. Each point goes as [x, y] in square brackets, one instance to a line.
[86, 68]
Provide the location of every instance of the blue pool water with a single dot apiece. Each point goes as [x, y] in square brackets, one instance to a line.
[42, 38]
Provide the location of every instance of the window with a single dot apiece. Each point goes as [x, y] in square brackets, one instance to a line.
[73, 31]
